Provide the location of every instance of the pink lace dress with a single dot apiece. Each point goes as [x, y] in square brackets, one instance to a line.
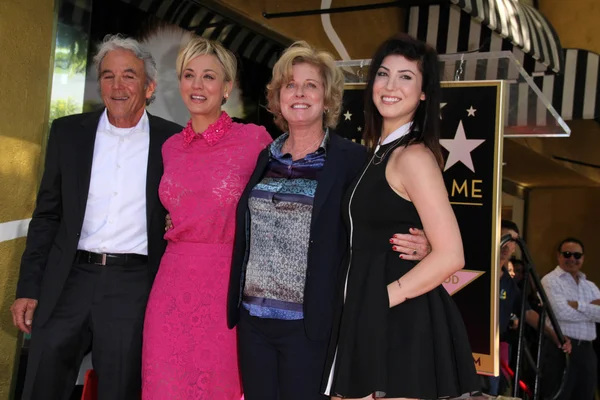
[188, 352]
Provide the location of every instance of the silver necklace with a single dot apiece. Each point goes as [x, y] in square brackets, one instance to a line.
[319, 140]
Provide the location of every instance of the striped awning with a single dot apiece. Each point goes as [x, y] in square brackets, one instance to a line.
[237, 36]
[205, 22]
[575, 94]
[450, 30]
[520, 23]
[194, 17]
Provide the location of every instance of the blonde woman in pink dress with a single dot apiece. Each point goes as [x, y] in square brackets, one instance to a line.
[188, 352]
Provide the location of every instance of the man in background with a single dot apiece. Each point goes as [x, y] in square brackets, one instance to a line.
[576, 304]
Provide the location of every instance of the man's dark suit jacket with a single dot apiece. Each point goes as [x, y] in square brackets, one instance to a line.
[57, 220]
[328, 236]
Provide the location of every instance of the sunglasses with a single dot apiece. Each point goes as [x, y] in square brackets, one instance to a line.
[568, 254]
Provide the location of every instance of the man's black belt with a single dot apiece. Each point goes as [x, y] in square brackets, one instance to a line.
[125, 260]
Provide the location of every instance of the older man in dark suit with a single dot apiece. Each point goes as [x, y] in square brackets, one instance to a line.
[95, 240]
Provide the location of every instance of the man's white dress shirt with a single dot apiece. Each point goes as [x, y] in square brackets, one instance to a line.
[560, 286]
[115, 214]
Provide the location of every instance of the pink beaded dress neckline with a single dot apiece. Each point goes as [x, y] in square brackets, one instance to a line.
[212, 134]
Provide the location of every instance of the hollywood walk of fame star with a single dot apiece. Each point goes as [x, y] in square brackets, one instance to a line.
[460, 148]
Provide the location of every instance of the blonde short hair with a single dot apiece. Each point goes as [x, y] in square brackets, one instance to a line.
[198, 47]
[333, 80]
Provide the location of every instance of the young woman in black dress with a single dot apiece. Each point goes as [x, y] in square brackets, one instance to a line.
[399, 334]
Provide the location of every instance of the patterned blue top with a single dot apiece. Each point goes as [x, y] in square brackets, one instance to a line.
[280, 216]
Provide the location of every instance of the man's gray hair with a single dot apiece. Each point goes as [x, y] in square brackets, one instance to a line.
[118, 41]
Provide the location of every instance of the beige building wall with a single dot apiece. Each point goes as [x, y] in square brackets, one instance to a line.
[26, 42]
[360, 32]
[556, 213]
[575, 21]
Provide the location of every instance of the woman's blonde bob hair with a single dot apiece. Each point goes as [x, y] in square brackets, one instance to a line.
[198, 46]
[333, 81]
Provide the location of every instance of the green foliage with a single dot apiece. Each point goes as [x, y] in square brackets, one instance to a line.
[63, 107]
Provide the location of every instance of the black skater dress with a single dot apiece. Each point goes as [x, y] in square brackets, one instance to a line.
[418, 349]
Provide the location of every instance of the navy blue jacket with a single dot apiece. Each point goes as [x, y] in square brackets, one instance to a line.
[328, 236]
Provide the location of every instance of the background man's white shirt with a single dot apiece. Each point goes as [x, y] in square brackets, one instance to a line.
[560, 286]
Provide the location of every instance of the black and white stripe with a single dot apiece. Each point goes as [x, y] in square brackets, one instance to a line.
[193, 17]
[451, 30]
[521, 24]
[575, 94]
[204, 22]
